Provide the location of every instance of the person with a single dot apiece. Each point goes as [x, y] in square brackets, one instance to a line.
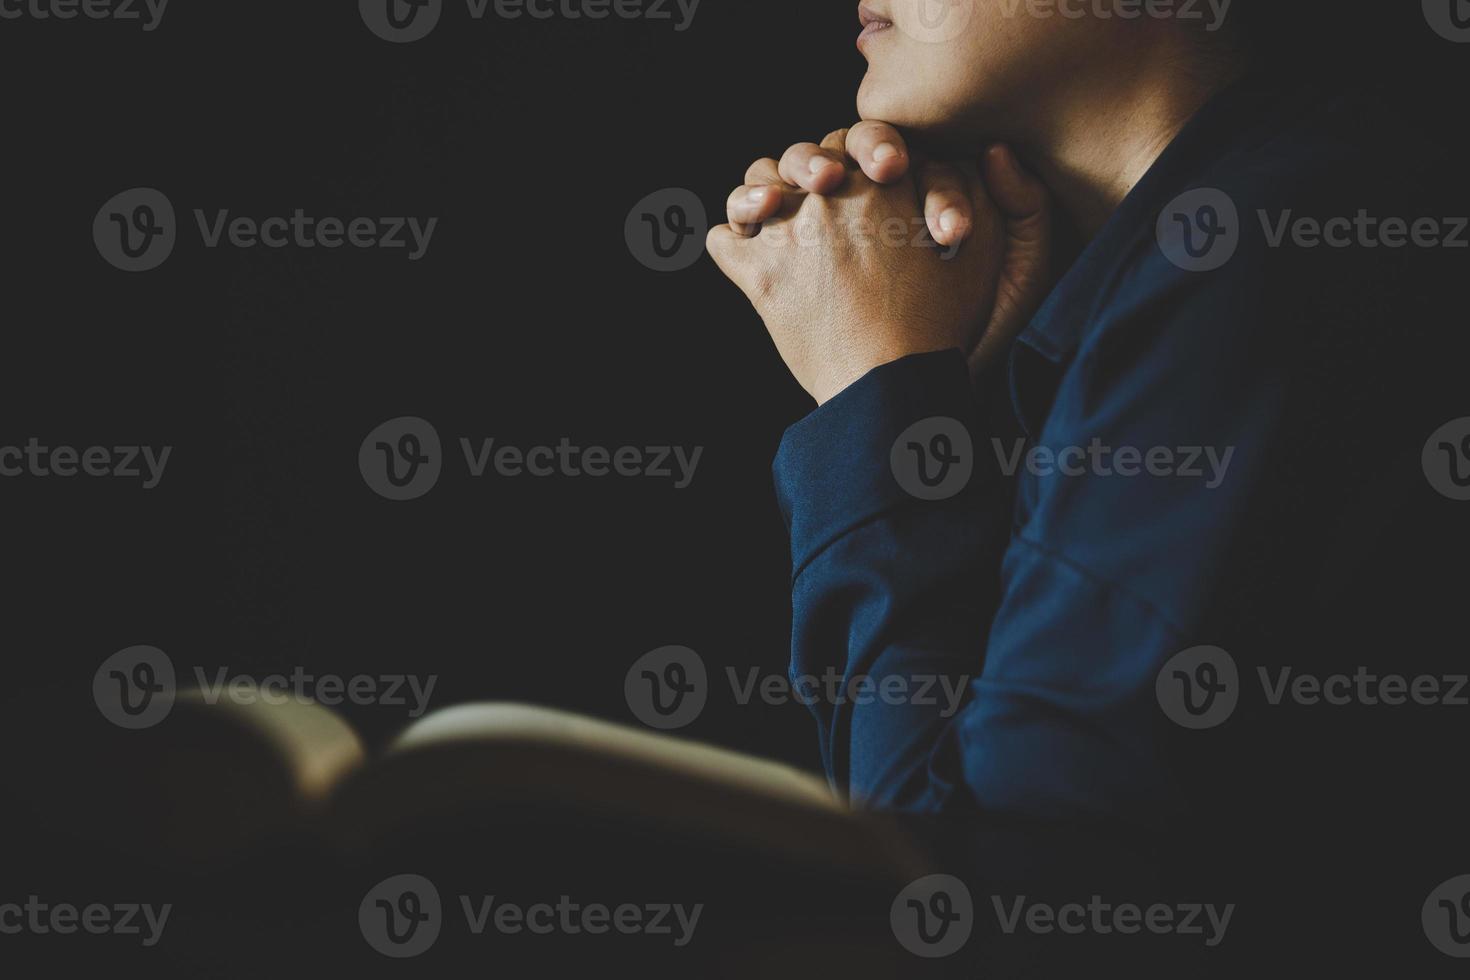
[1128, 430]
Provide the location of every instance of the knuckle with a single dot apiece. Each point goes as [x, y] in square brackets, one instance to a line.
[761, 170]
[717, 244]
[873, 132]
[760, 282]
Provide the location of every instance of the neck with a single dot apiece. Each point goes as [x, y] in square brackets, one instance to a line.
[1092, 153]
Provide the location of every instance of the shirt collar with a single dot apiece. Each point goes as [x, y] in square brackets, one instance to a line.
[1056, 330]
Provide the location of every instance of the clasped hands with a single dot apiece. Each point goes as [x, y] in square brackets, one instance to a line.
[856, 253]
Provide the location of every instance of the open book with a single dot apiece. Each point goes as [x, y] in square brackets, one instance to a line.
[215, 778]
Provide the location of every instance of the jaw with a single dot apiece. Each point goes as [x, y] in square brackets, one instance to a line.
[931, 126]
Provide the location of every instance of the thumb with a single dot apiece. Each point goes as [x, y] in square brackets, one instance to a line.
[722, 243]
[732, 253]
[1022, 199]
[1025, 206]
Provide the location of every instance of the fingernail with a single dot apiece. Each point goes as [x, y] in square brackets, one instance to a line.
[950, 220]
[756, 195]
[819, 164]
[883, 151]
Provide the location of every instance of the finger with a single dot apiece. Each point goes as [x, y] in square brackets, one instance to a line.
[1025, 206]
[742, 260]
[1019, 195]
[724, 245]
[808, 166]
[948, 210]
[836, 141]
[763, 171]
[879, 150]
[749, 205]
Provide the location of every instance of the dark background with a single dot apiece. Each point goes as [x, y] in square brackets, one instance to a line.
[528, 321]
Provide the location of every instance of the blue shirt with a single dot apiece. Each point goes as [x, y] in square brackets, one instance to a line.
[1189, 450]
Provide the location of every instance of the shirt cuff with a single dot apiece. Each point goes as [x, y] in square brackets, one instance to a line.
[903, 435]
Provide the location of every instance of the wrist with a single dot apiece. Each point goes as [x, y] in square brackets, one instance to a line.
[843, 373]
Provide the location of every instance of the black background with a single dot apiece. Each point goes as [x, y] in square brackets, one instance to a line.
[528, 321]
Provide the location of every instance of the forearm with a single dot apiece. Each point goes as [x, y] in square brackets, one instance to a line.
[892, 593]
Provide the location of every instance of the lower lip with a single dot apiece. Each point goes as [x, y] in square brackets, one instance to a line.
[876, 27]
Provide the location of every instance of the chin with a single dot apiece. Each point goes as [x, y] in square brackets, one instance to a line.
[876, 100]
[906, 108]
[869, 99]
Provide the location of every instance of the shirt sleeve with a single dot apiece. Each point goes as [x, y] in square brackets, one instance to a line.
[892, 592]
[1053, 621]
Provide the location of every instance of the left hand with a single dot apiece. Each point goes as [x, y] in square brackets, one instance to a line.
[851, 280]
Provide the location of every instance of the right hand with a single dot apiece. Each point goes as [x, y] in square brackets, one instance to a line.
[882, 154]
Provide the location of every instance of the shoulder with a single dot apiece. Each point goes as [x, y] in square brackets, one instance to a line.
[1322, 212]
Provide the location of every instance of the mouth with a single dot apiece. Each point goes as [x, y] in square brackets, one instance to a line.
[873, 23]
